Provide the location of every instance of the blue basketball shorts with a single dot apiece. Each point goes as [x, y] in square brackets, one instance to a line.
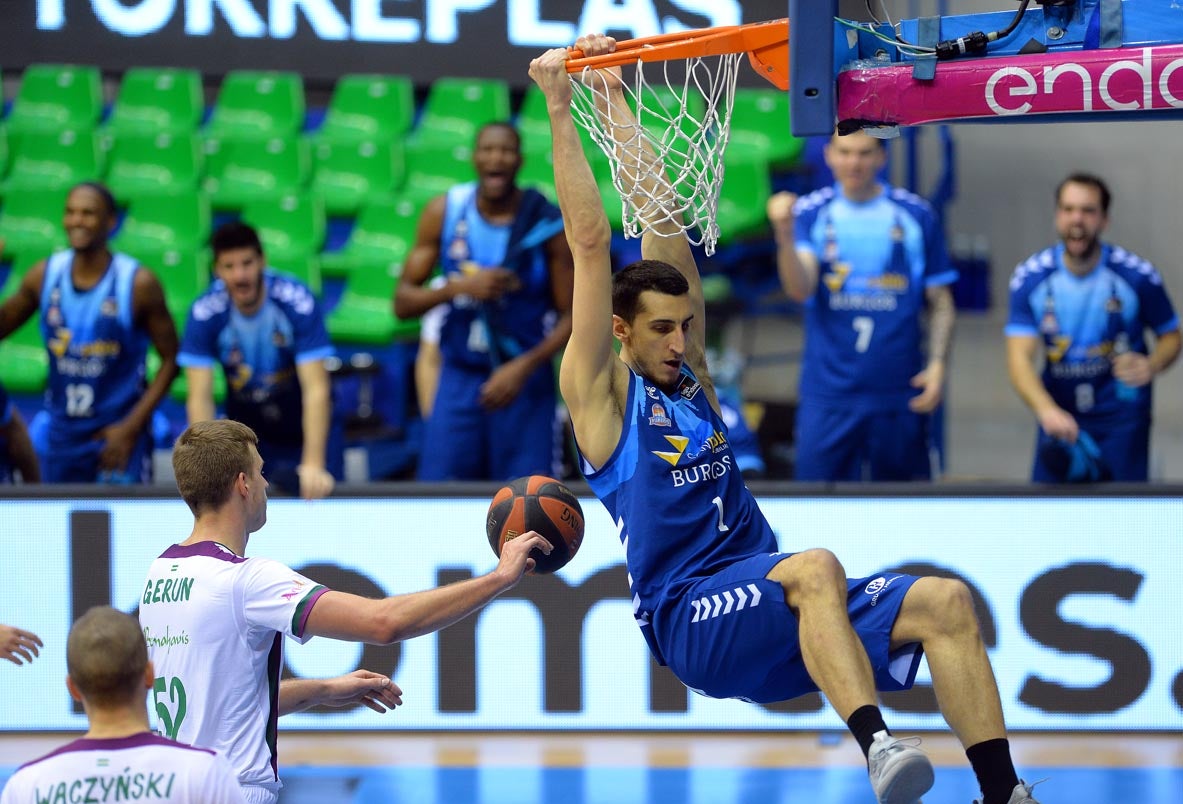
[846, 444]
[80, 464]
[731, 635]
[463, 441]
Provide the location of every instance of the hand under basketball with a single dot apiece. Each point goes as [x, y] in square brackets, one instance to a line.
[515, 558]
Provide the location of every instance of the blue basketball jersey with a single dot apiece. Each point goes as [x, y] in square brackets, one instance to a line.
[1083, 320]
[483, 335]
[674, 489]
[96, 353]
[863, 323]
[259, 353]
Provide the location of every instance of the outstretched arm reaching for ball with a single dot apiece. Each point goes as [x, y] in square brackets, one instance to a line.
[340, 615]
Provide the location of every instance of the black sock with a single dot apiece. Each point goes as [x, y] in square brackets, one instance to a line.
[995, 771]
[863, 723]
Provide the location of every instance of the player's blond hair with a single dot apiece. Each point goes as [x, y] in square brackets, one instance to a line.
[207, 459]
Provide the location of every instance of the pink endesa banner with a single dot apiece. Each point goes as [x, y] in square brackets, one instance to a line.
[1081, 82]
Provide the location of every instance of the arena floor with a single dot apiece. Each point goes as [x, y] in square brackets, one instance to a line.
[687, 768]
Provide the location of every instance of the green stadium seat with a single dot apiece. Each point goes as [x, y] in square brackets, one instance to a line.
[383, 234]
[24, 363]
[742, 198]
[151, 163]
[365, 313]
[369, 107]
[154, 100]
[760, 124]
[456, 108]
[163, 222]
[54, 161]
[538, 171]
[533, 121]
[291, 226]
[351, 174]
[53, 97]
[258, 104]
[31, 225]
[305, 267]
[184, 275]
[239, 172]
[433, 168]
[3, 151]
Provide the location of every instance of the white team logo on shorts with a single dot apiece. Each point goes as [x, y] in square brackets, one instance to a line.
[876, 586]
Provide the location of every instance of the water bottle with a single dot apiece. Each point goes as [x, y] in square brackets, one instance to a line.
[1121, 346]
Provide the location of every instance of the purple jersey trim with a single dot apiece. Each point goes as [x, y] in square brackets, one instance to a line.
[139, 740]
[207, 549]
[305, 608]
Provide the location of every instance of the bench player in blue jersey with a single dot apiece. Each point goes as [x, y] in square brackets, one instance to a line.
[99, 312]
[16, 448]
[655, 451]
[1086, 305]
[865, 259]
[506, 313]
[266, 330]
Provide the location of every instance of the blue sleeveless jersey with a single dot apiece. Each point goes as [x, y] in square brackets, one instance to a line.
[96, 353]
[259, 353]
[676, 494]
[1082, 320]
[863, 323]
[483, 335]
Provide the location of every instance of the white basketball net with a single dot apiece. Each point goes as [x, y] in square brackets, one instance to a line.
[685, 121]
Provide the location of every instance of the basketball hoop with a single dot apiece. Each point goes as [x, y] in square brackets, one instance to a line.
[683, 117]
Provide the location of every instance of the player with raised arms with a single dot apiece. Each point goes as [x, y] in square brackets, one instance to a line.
[654, 449]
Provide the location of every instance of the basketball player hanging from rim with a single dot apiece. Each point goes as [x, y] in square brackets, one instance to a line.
[654, 450]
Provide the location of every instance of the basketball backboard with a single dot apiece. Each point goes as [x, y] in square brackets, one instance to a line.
[811, 67]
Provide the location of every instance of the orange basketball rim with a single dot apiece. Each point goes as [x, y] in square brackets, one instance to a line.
[766, 43]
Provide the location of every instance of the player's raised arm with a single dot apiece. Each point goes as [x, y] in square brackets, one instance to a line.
[654, 197]
[589, 361]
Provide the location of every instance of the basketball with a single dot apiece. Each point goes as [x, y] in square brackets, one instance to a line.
[537, 503]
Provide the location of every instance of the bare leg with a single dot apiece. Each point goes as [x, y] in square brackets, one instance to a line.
[815, 589]
[938, 613]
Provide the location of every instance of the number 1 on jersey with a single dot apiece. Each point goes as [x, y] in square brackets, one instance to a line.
[718, 501]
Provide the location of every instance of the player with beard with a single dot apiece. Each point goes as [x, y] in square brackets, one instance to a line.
[508, 311]
[1088, 304]
[99, 312]
[267, 331]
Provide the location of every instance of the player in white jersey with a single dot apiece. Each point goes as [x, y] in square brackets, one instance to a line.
[119, 758]
[215, 620]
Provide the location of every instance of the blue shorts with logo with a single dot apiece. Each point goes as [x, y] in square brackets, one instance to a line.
[731, 635]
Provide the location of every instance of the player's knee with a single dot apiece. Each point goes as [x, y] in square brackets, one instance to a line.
[810, 573]
[952, 605]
